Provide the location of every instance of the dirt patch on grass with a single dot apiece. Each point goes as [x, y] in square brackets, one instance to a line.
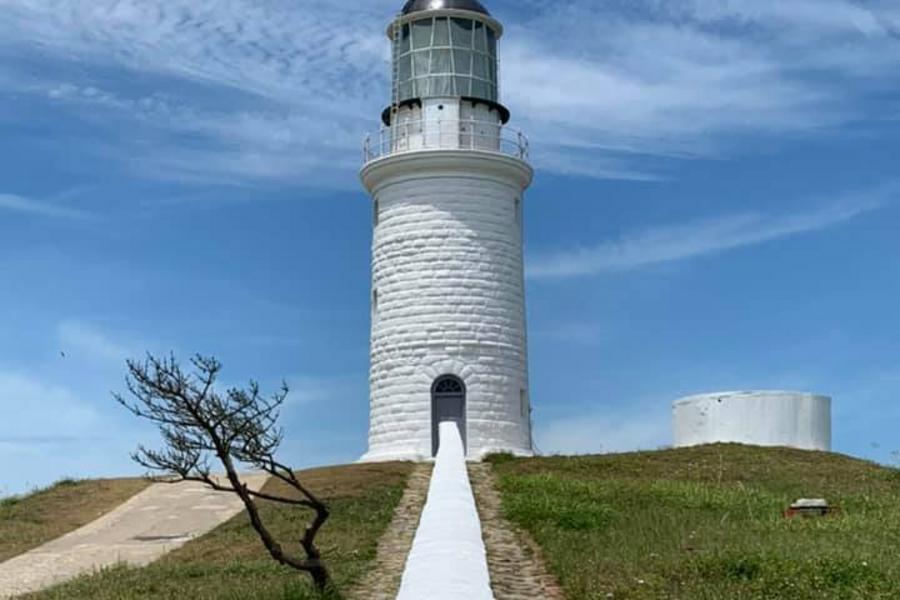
[382, 582]
[30, 521]
[516, 566]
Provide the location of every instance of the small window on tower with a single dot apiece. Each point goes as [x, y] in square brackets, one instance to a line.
[518, 210]
[376, 213]
[374, 303]
[523, 400]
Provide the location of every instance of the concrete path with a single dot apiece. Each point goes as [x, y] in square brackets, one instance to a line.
[517, 570]
[448, 560]
[383, 580]
[156, 521]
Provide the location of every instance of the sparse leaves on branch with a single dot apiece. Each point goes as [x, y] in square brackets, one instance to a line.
[200, 424]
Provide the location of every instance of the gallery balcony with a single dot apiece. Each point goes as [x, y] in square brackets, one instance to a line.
[422, 135]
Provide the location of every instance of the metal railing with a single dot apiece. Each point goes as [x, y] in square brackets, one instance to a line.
[418, 135]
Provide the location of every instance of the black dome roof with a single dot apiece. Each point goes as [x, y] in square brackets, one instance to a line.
[422, 5]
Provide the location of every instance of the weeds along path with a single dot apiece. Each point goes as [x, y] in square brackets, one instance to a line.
[382, 582]
[156, 521]
[517, 569]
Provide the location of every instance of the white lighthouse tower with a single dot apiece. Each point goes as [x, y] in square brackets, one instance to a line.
[448, 302]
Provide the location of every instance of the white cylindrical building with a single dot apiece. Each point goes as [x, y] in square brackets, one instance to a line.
[759, 418]
[448, 340]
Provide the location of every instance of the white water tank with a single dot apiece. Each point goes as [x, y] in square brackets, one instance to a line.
[758, 418]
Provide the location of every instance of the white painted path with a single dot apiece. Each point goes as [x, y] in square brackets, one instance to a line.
[448, 559]
[156, 521]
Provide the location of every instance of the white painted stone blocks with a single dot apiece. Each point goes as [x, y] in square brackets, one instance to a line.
[448, 270]
[448, 560]
[761, 418]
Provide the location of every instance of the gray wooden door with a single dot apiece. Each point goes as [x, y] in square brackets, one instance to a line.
[448, 403]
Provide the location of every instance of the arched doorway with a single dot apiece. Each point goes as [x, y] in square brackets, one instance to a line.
[448, 403]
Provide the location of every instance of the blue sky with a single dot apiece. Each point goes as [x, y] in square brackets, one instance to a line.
[716, 207]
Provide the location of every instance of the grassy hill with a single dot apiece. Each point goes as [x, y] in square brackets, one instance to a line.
[693, 524]
[706, 524]
[26, 522]
[230, 562]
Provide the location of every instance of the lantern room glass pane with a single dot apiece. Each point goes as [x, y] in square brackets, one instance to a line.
[481, 69]
[462, 32]
[447, 56]
[420, 63]
[405, 67]
[441, 31]
[440, 61]
[422, 34]
[480, 39]
[404, 40]
[442, 86]
[462, 62]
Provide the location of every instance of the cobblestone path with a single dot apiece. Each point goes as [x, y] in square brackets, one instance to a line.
[517, 569]
[382, 582]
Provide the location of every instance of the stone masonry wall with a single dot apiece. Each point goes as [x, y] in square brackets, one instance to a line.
[448, 299]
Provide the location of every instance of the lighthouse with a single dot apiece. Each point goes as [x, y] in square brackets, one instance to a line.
[447, 179]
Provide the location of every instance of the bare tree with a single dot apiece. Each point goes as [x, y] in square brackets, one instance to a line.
[199, 423]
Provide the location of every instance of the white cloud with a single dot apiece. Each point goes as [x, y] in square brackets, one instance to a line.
[306, 389]
[83, 342]
[35, 411]
[231, 145]
[21, 204]
[579, 333]
[285, 90]
[708, 236]
[627, 80]
[611, 431]
[278, 50]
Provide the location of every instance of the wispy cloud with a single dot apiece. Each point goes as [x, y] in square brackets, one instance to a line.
[306, 390]
[576, 333]
[284, 90]
[689, 240]
[644, 428]
[692, 79]
[223, 144]
[12, 202]
[42, 410]
[83, 342]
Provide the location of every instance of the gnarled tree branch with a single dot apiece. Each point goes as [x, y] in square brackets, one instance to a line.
[198, 423]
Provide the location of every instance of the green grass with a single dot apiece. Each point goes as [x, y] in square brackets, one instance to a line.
[231, 563]
[706, 523]
[26, 522]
